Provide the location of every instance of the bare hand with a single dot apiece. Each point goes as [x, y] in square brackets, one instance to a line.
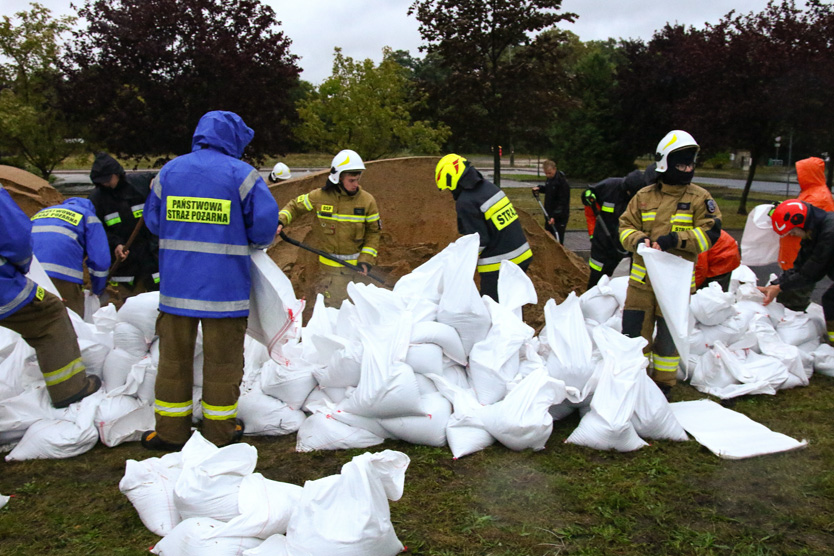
[770, 293]
[552, 221]
[279, 230]
[121, 252]
[654, 245]
[648, 243]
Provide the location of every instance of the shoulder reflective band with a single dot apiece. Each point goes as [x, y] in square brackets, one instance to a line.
[112, 219]
[199, 210]
[501, 212]
[137, 210]
[61, 214]
[41, 228]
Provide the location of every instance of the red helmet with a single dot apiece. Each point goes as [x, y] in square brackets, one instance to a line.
[787, 215]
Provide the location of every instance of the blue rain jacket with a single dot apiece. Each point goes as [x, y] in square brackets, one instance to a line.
[63, 234]
[15, 256]
[208, 207]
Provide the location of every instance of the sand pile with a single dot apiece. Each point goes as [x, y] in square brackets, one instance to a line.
[30, 192]
[418, 221]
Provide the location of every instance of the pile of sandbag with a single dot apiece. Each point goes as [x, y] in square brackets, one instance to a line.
[209, 500]
[123, 350]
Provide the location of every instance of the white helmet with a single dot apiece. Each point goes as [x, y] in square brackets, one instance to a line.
[675, 140]
[280, 172]
[346, 161]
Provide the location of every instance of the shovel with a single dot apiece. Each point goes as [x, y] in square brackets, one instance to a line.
[547, 217]
[328, 256]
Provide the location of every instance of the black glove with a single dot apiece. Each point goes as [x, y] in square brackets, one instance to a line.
[588, 198]
[669, 241]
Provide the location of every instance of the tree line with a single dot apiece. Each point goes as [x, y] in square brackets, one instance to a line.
[133, 77]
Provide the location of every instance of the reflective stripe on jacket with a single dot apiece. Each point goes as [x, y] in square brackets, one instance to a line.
[208, 208]
[658, 209]
[347, 226]
[64, 234]
[15, 256]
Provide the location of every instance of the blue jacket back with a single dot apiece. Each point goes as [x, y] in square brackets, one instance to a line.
[208, 207]
[63, 234]
[15, 256]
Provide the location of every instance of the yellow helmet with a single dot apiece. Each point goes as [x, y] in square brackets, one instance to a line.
[449, 170]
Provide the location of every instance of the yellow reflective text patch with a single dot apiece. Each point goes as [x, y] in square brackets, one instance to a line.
[504, 217]
[199, 210]
[61, 214]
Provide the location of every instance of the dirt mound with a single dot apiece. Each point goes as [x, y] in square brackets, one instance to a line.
[418, 221]
[30, 192]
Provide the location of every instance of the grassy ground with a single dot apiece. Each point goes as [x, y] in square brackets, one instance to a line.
[668, 498]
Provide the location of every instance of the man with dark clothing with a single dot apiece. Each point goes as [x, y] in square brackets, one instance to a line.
[815, 228]
[484, 209]
[609, 198]
[120, 201]
[556, 199]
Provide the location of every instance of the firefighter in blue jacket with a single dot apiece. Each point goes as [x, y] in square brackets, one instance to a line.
[63, 235]
[36, 314]
[207, 207]
[484, 209]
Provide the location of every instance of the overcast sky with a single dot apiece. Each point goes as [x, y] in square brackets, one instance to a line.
[363, 27]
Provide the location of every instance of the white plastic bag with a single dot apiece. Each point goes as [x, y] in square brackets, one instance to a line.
[711, 305]
[192, 537]
[122, 419]
[348, 514]
[274, 312]
[267, 416]
[265, 508]
[149, 485]
[759, 243]
[141, 311]
[599, 303]
[428, 429]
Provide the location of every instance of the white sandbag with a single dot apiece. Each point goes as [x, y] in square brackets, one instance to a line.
[729, 434]
[571, 348]
[608, 426]
[465, 431]
[425, 385]
[387, 387]
[117, 367]
[60, 438]
[130, 339]
[823, 358]
[141, 311]
[619, 288]
[742, 274]
[712, 305]
[521, 420]
[122, 419]
[769, 343]
[20, 357]
[320, 431]
[290, 384]
[748, 367]
[425, 358]
[4, 500]
[149, 485]
[265, 508]
[653, 418]
[267, 416]
[428, 429]
[192, 537]
[797, 328]
[515, 288]
[759, 243]
[145, 371]
[92, 303]
[39, 276]
[495, 360]
[19, 413]
[460, 305]
[348, 514]
[274, 312]
[106, 318]
[276, 545]
[375, 305]
[425, 281]
[210, 480]
[340, 361]
[442, 335]
[671, 278]
[599, 303]
[728, 332]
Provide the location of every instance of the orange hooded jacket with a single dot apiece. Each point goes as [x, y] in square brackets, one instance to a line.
[810, 173]
[721, 258]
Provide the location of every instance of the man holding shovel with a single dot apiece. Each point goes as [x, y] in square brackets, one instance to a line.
[556, 200]
[347, 226]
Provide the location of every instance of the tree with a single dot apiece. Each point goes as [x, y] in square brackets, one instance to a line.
[487, 87]
[367, 109]
[738, 83]
[32, 128]
[141, 74]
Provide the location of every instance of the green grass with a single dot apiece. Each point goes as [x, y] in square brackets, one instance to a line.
[668, 498]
